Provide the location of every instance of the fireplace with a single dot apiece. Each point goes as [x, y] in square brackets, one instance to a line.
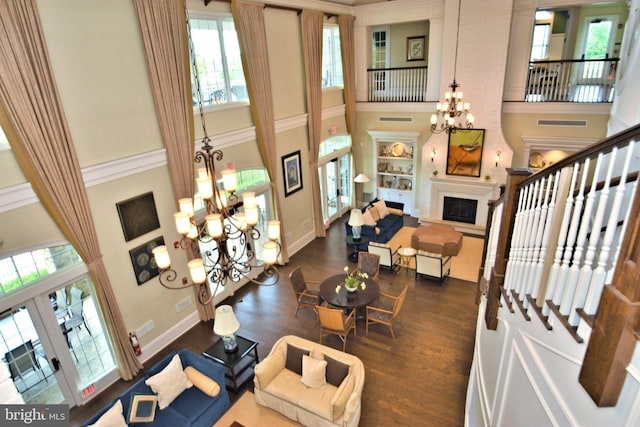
[480, 191]
[459, 210]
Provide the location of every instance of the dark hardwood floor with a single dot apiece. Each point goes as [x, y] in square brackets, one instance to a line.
[420, 379]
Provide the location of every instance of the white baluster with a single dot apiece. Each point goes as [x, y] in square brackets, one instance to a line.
[535, 236]
[548, 211]
[552, 283]
[517, 227]
[598, 279]
[566, 306]
[571, 236]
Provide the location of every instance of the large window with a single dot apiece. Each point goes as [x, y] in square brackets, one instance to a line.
[217, 51]
[331, 57]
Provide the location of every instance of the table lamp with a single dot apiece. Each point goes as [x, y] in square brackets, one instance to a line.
[355, 221]
[226, 325]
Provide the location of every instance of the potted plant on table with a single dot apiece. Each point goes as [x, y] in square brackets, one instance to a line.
[353, 281]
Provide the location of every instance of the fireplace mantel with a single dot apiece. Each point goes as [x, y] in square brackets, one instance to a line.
[481, 190]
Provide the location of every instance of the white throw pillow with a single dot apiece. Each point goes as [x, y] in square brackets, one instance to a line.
[313, 372]
[368, 219]
[169, 383]
[382, 208]
[112, 418]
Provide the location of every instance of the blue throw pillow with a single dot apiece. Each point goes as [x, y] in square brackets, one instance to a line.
[143, 408]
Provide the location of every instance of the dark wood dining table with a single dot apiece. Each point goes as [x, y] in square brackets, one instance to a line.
[345, 299]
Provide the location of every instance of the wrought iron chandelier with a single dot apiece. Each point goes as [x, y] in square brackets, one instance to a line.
[453, 113]
[228, 234]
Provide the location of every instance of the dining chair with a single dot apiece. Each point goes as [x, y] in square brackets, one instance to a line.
[336, 322]
[76, 311]
[385, 310]
[305, 297]
[369, 263]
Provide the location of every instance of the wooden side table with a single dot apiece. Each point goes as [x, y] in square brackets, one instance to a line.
[363, 240]
[238, 365]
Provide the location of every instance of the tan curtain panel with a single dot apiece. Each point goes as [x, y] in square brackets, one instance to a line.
[345, 26]
[164, 33]
[32, 113]
[312, 23]
[252, 36]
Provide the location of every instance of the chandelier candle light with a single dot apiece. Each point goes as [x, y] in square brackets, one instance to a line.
[452, 114]
[226, 232]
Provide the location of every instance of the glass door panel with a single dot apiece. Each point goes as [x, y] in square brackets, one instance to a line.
[345, 183]
[23, 351]
[331, 181]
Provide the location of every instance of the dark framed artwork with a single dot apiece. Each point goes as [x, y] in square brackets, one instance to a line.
[144, 264]
[292, 173]
[464, 156]
[138, 215]
[415, 48]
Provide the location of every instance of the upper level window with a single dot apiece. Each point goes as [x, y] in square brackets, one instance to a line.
[541, 34]
[19, 270]
[331, 56]
[215, 44]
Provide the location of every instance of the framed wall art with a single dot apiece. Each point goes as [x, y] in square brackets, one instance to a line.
[464, 156]
[138, 215]
[415, 48]
[292, 173]
[144, 264]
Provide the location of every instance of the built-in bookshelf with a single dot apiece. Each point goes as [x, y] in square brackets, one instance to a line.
[395, 165]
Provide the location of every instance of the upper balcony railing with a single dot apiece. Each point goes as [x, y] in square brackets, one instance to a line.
[571, 80]
[397, 84]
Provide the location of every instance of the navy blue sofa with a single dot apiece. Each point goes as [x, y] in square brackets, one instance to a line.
[192, 408]
[387, 226]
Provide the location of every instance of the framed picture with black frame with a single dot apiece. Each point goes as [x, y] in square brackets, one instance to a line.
[144, 264]
[464, 155]
[138, 215]
[415, 48]
[292, 171]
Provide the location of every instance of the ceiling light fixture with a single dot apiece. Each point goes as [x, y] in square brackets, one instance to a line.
[227, 229]
[453, 113]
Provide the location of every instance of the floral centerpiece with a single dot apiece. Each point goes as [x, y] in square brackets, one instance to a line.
[353, 281]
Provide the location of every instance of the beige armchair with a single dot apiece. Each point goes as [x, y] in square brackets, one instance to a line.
[389, 256]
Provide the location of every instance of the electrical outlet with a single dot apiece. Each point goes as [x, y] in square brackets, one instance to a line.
[184, 281]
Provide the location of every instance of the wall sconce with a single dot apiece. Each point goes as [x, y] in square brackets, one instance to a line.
[433, 153]
[498, 157]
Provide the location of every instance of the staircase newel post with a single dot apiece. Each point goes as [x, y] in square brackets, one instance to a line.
[515, 177]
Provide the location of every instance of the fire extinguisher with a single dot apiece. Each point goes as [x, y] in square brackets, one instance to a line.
[135, 343]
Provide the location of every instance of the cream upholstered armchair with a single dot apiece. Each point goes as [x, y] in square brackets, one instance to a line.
[386, 310]
[305, 297]
[389, 256]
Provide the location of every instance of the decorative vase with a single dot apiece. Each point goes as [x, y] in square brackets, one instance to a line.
[351, 289]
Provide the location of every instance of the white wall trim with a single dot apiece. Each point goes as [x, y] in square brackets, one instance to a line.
[331, 112]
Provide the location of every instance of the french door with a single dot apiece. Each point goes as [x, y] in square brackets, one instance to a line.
[335, 187]
[597, 44]
[53, 341]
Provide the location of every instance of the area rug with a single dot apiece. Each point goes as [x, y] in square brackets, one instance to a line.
[245, 412]
[464, 266]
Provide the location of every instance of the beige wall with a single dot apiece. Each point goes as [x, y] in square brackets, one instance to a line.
[398, 43]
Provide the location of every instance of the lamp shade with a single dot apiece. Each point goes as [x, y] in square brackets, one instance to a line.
[356, 219]
[361, 178]
[225, 322]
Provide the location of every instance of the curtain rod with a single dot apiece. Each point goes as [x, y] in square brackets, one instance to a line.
[275, 6]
